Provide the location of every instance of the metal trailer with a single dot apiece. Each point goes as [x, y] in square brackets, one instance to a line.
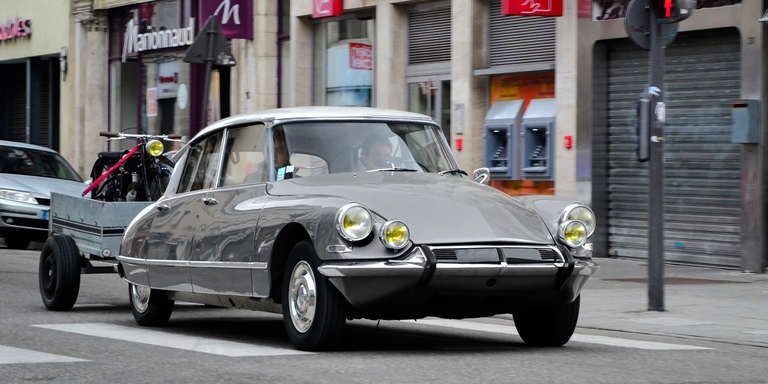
[82, 231]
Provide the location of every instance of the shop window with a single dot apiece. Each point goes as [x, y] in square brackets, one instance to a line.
[343, 58]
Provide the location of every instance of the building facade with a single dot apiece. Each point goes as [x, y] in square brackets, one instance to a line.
[547, 103]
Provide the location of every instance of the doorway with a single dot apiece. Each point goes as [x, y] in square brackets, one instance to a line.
[431, 96]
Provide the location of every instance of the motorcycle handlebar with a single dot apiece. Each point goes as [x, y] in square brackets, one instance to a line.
[108, 134]
[172, 136]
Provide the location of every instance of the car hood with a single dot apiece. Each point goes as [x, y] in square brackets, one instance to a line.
[437, 209]
[41, 186]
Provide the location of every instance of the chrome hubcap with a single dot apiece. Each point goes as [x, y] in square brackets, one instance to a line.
[302, 296]
[140, 298]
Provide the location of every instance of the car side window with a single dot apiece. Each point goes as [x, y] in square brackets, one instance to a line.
[201, 165]
[244, 157]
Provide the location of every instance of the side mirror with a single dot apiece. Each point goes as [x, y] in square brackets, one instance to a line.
[482, 176]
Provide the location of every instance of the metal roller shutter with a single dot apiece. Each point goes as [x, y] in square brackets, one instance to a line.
[520, 40]
[701, 165]
[429, 36]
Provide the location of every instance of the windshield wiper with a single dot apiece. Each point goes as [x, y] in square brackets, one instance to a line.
[454, 171]
[392, 169]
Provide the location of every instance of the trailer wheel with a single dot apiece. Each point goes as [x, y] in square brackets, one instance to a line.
[150, 307]
[59, 273]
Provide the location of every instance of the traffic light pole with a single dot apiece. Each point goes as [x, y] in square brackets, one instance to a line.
[656, 170]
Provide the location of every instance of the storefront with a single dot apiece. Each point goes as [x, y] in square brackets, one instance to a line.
[33, 65]
[151, 88]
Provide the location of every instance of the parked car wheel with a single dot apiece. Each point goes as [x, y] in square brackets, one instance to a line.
[17, 242]
[551, 327]
[313, 310]
[59, 273]
[150, 308]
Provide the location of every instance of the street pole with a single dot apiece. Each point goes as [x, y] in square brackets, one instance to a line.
[656, 170]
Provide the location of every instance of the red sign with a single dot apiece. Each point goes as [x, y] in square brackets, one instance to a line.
[532, 7]
[326, 8]
[360, 56]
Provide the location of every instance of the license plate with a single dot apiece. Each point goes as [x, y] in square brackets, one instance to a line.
[46, 214]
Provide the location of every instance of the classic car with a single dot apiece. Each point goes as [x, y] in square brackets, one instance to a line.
[326, 214]
[28, 174]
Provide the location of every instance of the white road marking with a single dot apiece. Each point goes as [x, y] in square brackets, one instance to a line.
[170, 340]
[11, 355]
[603, 340]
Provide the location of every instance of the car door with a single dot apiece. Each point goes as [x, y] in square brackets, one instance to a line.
[224, 256]
[171, 246]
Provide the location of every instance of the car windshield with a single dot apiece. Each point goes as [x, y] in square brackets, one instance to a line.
[33, 162]
[366, 146]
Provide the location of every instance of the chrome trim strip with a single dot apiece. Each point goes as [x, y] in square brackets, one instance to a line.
[193, 264]
[227, 264]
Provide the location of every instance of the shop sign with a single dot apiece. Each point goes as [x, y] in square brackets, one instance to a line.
[235, 16]
[360, 56]
[532, 7]
[167, 79]
[15, 29]
[326, 8]
[170, 38]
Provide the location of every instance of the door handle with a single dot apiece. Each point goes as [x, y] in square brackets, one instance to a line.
[163, 207]
[210, 201]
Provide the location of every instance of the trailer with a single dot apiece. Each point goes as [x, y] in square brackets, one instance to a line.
[83, 231]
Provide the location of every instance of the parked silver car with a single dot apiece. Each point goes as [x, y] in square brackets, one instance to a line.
[332, 213]
[28, 174]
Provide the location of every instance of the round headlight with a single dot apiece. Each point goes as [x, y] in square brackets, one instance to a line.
[573, 232]
[394, 234]
[354, 222]
[155, 148]
[581, 213]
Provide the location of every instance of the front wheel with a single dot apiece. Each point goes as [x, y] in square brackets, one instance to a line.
[550, 327]
[59, 273]
[151, 308]
[313, 310]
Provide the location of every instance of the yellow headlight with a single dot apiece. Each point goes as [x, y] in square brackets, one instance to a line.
[573, 232]
[155, 148]
[584, 214]
[394, 234]
[354, 222]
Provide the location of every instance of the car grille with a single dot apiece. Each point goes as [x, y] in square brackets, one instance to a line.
[29, 223]
[493, 255]
[43, 201]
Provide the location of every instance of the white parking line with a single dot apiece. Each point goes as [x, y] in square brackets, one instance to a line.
[11, 355]
[170, 340]
[603, 340]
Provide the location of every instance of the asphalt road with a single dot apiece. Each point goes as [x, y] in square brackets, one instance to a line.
[98, 341]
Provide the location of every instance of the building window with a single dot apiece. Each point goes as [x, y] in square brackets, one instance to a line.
[343, 62]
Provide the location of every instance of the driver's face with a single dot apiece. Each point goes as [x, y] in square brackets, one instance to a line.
[378, 150]
[281, 154]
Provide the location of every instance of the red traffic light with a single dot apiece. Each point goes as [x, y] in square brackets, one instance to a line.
[673, 11]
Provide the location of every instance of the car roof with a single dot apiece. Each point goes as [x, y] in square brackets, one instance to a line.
[18, 144]
[279, 115]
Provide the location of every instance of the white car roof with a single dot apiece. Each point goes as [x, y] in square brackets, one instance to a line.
[18, 144]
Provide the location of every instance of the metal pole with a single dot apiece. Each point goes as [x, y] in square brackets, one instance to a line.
[208, 67]
[656, 171]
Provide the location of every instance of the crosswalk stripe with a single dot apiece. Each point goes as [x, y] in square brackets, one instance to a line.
[603, 340]
[170, 340]
[11, 355]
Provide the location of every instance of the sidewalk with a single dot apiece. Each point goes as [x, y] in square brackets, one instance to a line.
[705, 303]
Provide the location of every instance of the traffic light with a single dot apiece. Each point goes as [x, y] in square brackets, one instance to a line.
[673, 11]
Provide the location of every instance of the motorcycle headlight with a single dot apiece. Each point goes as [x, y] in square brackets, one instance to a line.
[394, 234]
[155, 148]
[24, 197]
[354, 222]
[581, 213]
[573, 233]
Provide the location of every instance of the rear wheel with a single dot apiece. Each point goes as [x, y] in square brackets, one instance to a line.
[550, 327]
[59, 273]
[313, 310]
[151, 308]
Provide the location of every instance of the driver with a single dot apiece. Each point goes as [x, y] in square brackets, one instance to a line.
[375, 148]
